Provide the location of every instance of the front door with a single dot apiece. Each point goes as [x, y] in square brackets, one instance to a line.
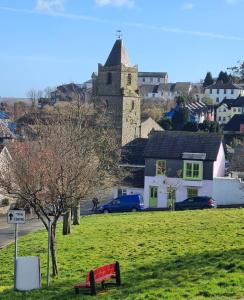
[153, 196]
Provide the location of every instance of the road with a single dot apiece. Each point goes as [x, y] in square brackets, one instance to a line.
[7, 230]
[32, 224]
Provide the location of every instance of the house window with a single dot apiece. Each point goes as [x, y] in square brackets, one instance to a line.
[211, 91]
[217, 99]
[171, 197]
[219, 118]
[217, 91]
[143, 79]
[122, 192]
[129, 79]
[192, 192]
[239, 109]
[109, 78]
[224, 91]
[224, 119]
[224, 110]
[232, 92]
[158, 79]
[234, 109]
[220, 109]
[160, 167]
[193, 170]
[151, 79]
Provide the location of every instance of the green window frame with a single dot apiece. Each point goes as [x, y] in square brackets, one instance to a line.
[193, 170]
[192, 192]
[160, 167]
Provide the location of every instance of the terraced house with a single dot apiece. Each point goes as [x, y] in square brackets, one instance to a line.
[179, 165]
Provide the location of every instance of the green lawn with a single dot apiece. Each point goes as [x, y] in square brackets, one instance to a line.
[163, 255]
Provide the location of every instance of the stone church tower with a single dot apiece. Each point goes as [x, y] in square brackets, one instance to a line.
[115, 88]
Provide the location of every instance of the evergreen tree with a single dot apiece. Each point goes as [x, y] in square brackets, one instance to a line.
[224, 77]
[180, 118]
[208, 80]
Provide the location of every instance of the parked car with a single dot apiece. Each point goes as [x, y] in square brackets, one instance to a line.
[199, 202]
[123, 204]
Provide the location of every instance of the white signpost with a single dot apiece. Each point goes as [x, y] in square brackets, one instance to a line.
[15, 217]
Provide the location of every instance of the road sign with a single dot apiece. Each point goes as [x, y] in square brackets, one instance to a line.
[16, 216]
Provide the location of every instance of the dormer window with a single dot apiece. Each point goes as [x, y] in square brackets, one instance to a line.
[109, 78]
[129, 79]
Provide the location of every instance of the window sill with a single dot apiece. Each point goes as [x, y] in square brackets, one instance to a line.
[192, 182]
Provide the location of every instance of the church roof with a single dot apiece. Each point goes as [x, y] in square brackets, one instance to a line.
[118, 55]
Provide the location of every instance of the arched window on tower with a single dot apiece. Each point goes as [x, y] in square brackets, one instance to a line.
[132, 105]
[109, 78]
[129, 79]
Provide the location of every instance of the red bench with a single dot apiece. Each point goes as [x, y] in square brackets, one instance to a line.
[100, 275]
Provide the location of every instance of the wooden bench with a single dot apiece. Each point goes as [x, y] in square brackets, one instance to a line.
[100, 275]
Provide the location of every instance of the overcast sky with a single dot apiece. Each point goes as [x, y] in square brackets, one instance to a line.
[50, 42]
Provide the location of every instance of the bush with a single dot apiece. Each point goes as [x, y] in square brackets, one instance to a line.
[5, 202]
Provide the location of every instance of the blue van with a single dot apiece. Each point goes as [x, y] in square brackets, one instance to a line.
[123, 204]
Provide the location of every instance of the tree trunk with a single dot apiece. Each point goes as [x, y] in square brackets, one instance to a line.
[53, 250]
[76, 214]
[67, 222]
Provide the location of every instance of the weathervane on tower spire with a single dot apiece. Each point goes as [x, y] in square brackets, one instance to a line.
[119, 34]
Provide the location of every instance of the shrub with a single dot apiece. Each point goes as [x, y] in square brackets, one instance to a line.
[5, 202]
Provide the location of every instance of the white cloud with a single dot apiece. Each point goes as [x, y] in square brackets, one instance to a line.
[118, 3]
[182, 31]
[50, 5]
[188, 6]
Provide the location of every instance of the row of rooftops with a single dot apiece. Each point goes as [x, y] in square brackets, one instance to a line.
[219, 85]
[238, 102]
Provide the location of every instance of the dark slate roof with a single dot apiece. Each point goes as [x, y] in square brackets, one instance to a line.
[118, 55]
[132, 153]
[227, 86]
[234, 123]
[153, 74]
[239, 102]
[172, 144]
[146, 89]
[228, 102]
[135, 178]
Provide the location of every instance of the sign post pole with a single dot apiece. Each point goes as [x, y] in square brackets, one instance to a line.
[15, 216]
[15, 251]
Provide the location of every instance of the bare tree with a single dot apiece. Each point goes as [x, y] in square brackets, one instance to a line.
[69, 159]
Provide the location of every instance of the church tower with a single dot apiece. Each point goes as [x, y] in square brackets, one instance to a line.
[115, 87]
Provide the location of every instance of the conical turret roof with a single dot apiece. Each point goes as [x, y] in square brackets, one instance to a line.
[118, 55]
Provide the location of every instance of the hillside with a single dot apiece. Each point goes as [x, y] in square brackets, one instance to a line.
[163, 255]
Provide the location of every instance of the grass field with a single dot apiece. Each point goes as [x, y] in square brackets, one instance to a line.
[163, 255]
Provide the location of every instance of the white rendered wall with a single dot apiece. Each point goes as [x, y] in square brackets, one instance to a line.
[221, 95]
[129, 191]
[228, 191]
[219, 164]
[205, 188]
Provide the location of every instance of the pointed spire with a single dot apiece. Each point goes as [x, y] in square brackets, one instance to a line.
[118, 55]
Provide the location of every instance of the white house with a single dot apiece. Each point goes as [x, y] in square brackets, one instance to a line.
[228, 108]
[220, 91]
[152, 78]
[179, 165]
